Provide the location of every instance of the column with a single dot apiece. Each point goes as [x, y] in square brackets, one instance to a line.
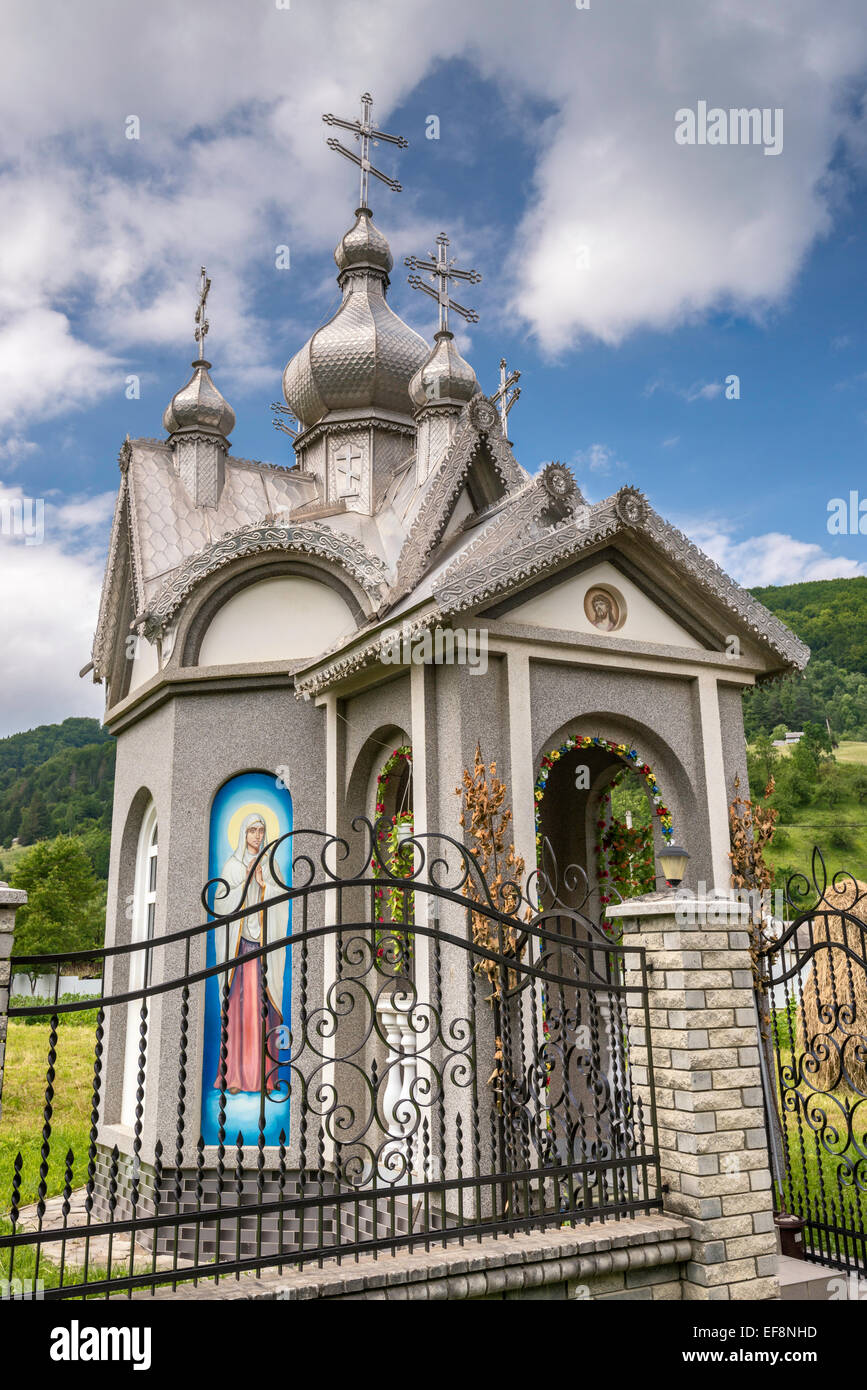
[702, 1057]
[521, 756]
[715, 779]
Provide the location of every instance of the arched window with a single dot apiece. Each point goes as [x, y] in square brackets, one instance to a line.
[394, 821]
[144, 901]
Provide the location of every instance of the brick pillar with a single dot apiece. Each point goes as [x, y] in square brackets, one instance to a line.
[10, 900]
[705, 1063]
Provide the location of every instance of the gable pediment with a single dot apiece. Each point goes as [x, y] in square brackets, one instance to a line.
[480, 469]
[604, 596]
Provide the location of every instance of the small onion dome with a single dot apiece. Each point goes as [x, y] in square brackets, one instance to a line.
[364, 356]
[445, 376]
[199, 406]
[363, 245]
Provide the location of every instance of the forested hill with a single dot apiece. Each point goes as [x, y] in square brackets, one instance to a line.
[58, 779]
[19, 751]
[830, 615]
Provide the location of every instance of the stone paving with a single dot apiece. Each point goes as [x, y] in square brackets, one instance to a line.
[638, 1258]
[80, 1247]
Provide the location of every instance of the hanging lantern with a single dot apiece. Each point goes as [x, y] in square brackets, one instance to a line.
[673, 864]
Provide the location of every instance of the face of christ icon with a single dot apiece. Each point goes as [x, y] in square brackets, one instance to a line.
[256, 983]
[602, 610]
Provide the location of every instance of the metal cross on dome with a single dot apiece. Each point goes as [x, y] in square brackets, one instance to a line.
[505, 397]
[365, 132]
[202, 324]
[442, 269]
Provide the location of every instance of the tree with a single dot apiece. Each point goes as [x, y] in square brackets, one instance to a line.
[768, 756]
[779, 731]
[63, 894]
[36, 822]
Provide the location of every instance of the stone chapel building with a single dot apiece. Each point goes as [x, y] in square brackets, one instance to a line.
[268, 621]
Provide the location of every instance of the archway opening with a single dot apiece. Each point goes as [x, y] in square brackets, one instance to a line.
[625, 862]
[597, 805]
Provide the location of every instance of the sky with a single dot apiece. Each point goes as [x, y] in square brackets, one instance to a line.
[627, 275]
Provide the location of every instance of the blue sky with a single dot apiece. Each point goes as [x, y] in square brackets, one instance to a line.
[624, 275]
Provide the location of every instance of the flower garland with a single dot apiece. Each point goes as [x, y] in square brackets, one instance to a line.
[630, 757]
[393, 949]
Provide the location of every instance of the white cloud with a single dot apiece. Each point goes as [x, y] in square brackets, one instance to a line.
[102, 236]
[45, 370]
[698, 391]
[599, 458]
[16, 448]
[50, 601]
[772, 558]
[83, 513]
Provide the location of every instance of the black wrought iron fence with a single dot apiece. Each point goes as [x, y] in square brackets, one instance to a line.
[489, 1092]
[812, 997]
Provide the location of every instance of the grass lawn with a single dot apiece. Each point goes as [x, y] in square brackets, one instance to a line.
[9, 857]
[22, 1120]
[851, 752]
[24, 1103]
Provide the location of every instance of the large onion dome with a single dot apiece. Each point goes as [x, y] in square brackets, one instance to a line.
[444, 376]
[365, 356]
[199, 406]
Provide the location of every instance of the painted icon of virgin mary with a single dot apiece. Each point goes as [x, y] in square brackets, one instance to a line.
[239, 938]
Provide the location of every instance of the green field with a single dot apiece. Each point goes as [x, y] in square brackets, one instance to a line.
[851, 752]
[839, 830]
[9, 857]
[24, 1100]
[24, 1103]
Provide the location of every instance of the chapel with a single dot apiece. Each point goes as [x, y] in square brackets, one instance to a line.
[302, 646]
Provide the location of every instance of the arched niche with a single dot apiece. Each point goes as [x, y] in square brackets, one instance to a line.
[239, 1084]
[361, 785]
[268, 609]
[142, 917]
[570, 809]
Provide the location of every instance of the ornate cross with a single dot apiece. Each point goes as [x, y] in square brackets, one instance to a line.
[283, 424]
[365, 132]
[345, 459]
[505, 397]
[442, 270]
[202, 325]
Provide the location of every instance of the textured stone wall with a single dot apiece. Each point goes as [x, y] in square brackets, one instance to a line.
[704, 1059]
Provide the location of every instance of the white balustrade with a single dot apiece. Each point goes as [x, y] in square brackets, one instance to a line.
[399, 1110]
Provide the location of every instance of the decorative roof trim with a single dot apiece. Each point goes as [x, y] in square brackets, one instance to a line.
[349, 425]
[367, 653]
[628, 510]
[436, 509]
[367, 570]
[109, 603]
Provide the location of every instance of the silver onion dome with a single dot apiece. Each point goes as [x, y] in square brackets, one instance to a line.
[445, 375]
[365, 355]
[363, 245]
[199, 406]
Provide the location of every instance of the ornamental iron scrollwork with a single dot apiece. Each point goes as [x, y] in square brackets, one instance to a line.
[812, 996]
[474, 1088]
